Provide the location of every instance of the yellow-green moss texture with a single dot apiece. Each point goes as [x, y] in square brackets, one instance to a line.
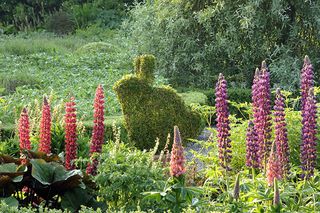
[151, 112]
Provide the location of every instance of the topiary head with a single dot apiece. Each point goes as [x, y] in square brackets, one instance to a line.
[144, 67]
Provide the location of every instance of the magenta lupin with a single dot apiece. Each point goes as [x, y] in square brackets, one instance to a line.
[307, 81]
[252, 147]
[262, 112]
[223, 126]
[308, 152]
[281, 133]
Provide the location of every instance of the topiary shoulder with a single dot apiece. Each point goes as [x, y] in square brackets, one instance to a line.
[150, 111]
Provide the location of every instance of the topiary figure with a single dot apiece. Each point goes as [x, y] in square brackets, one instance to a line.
[152, 112]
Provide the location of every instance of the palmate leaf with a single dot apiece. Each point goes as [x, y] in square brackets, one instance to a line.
[73, 199]
[52, 172]
[53, 179]
[13, 171]
[10, 173]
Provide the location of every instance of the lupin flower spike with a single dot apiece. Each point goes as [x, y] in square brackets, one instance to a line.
[281, 137]
[308, 153]
[24, 130]
[273, 166]
[252, 160]
[177, 161]
[71, 135]
[98, 130]
[223, 128]
[45, 128]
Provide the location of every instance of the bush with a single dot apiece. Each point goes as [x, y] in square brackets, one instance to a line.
[96, 47]
[124, 173]
[238, 95]
[9, 83]
[151, 112]
[61, 23]
[194, 97]
[196, 40]
[30, 43]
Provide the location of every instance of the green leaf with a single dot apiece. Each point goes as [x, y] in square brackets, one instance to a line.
[49, 173]
[73, 199]
[8, 168]
[10, 201]
[13, 171]
[153, 195]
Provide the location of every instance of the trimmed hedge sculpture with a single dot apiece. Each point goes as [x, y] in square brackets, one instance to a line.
[152, 112]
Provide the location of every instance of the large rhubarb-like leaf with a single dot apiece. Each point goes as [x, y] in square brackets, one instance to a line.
[52, 172]
[73, 199]
[13, 171]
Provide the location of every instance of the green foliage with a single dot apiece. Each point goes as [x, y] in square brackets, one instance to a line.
[9, 83]
[31, 43]
[194, 97]
[124, 173]
[25, 15]
[238, 95]
[44, 178]
[16, 15]
[175, 197]
[151, 112]
[96, 47]
[194, 41]
[61, 74]
[144, 66]
[105, 13]
[61, 23]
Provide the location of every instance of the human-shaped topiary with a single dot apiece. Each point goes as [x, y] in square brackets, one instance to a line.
[150, 111]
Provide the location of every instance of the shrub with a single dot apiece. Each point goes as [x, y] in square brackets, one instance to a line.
[151, 112]
[194, 97]
[61, 23]
[96, 47]
[197, 39]
[124, 173]
[9, 83]
[238, 95]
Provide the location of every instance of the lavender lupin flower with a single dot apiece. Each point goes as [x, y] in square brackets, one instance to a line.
[252, 147]
[309, 131]
[262, 113]
[281, 135]
[307, 78]
[223, 128]
[177, 167]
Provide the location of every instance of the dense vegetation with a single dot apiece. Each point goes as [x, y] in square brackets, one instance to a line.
[134, 145]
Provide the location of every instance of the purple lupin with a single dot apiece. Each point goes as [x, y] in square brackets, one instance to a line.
[223, 128]
[262, 113]
[308, 152]
[252, 147]
[281, 133]
[307, 79]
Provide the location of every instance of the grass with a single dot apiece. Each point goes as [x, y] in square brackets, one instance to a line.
[38, 64]
[25, 44]
[52, 66]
